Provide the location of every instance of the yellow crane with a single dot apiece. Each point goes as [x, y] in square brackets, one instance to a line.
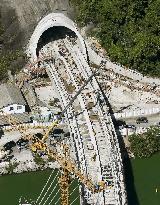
[68, 167]
[12, 120]
[64, 160]
[16, 125]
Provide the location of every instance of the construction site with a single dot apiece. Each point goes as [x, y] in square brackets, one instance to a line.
[62, 116]
[57, 115]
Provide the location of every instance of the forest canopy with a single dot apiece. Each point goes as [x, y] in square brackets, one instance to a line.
[129, 30]
[146, 144]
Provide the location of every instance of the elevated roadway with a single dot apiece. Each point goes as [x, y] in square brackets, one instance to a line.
[93, 138]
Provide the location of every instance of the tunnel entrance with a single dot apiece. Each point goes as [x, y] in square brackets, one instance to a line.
[53, 34]
[53, 23]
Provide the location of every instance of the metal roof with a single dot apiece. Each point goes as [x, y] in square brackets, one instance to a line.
[10, 94]
[19, 117]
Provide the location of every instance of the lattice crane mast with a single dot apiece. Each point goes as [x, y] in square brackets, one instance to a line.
[68, 167]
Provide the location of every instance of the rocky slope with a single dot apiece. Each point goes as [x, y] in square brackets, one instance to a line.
[19, 17]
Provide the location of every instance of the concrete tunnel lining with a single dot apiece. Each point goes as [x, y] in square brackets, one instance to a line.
[51, 20]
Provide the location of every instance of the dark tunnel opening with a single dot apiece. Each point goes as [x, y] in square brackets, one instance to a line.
[53, 34]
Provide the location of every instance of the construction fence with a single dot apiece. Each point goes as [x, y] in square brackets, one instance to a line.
[137, 113]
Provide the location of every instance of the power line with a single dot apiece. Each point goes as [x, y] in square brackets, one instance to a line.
[53, 197]
[45, 185]
[56, 201]
[51, 194]
[71, 183]
[74, 200]
[49, 187]
[74, 190]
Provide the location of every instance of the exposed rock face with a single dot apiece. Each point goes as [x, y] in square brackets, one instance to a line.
[20, 17]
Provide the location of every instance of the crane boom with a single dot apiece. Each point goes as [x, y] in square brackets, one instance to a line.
[68, 165]
[56, 122]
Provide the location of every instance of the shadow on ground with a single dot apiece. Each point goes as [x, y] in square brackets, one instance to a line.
[127, 166]
[129, 180]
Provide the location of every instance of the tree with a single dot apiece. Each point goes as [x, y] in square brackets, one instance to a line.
[146, 144]
[38, 160]
[11, 167]
[10, 59]
[128, 29]
[13, 61]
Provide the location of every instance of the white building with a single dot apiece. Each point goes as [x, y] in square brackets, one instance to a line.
[11, 100]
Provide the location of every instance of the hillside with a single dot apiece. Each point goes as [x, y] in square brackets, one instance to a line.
[129, 30]
[19, 17]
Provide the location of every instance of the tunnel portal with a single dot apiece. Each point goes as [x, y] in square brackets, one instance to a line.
[53, 34]
[52, 27]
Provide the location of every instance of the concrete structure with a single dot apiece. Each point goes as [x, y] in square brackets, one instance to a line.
[51, 20]
[11, 101]
[94, 140]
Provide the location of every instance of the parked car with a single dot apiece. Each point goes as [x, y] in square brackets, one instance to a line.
[22, 142]
[56, 132]
[130, 126]
[141, 120]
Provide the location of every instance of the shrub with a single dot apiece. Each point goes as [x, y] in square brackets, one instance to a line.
[146, 144]
[128, 30]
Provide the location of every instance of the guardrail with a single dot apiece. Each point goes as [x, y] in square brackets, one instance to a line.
[137, 113]
[27, 126]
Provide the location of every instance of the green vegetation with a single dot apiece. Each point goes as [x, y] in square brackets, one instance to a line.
[146, 144]
[128, 29]
[11, 60]
[38, 160]
[146, 179]
[11, 167]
